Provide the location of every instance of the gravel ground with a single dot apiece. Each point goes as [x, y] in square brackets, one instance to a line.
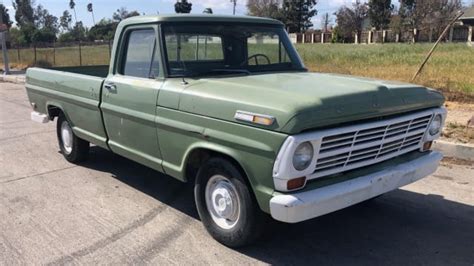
[110, 210]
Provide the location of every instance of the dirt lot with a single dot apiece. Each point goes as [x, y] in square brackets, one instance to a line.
[113, 211]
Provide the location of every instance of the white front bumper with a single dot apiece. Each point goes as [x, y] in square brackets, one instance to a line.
[297, 207]
[39, 117]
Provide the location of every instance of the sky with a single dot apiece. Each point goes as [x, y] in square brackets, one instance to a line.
[105, 8]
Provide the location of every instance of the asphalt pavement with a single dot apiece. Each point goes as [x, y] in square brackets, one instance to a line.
[110, 210]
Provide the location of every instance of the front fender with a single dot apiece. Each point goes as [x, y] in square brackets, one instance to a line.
[254, 149]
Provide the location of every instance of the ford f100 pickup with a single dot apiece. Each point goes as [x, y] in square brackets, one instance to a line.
[226, 103]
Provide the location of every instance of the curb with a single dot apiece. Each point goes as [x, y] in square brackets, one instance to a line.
[456, 150]
[18, 79]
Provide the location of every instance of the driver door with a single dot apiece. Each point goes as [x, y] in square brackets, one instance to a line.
[130, 96]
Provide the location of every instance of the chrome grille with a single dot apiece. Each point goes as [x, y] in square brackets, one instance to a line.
[369, 144]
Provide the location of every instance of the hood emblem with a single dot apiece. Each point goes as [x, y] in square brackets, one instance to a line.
[254, 118]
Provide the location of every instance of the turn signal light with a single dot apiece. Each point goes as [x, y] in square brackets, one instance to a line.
[427, 145]
[262, 120]
[296, 183]
[254, 118]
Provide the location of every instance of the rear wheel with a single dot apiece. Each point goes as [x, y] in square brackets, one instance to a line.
[74, 149]
[225, 204]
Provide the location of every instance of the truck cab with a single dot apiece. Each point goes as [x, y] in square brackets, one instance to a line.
[226, 103]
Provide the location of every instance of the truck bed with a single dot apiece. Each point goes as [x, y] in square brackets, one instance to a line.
[96, 71]
[75, 89]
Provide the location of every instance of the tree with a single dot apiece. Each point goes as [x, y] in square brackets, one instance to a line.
[90, 9]
[5, 16]
[297, 14]
[349, 19]
[264, 8]
[76, 33]
[45, 21]
[122, 13]
[104, 30]
[65, 21]
[428, 14]
[72, 5]
[207, 10]
[24, 14]
[380, 12]
[182, 6]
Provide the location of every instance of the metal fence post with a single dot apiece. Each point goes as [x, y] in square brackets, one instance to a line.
[34, 50]
[54, 53]
[80, 54]
[18, 53]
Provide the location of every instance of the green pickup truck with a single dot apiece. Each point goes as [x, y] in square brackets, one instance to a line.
[225, 102]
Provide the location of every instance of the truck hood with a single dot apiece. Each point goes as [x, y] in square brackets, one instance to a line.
[302, 101]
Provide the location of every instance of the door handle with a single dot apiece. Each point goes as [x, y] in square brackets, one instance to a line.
[110, 86]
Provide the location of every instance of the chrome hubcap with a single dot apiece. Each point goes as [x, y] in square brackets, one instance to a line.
[66, 137]
[222, 201]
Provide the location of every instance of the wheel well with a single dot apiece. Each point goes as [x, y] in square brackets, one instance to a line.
[53, 111]
[199, 156]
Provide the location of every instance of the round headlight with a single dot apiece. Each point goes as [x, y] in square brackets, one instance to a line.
[303, 156]
[435, 125]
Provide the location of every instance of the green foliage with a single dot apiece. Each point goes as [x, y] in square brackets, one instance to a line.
[337, 36]
[380, 12]
[104, 30]
[45, 21]
[65, 21]
[77, 33]
[14, 36]
[428, 14]
[43, 35]
[183, 6]
[297, 14]
[122, 13]
[264, 8]
[5, 16]
[24, 14]
[350, 20]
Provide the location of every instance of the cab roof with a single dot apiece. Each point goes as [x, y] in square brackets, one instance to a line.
[197, 18]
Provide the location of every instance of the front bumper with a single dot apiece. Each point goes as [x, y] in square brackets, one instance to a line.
[297, 207]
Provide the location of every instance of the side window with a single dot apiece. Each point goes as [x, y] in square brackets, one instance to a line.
[189, 47]
[140, 59]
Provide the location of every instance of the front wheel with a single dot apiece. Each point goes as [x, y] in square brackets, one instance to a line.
[225, 204]
[74, 149]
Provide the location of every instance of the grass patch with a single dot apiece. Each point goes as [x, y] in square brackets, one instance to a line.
[450, 69]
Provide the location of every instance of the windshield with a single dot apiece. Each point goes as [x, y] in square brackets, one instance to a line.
[214, 49]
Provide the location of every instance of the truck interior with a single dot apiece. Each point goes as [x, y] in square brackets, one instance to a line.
[212, 49]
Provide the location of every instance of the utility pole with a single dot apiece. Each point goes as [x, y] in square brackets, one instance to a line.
[3, 42]
[234, 2]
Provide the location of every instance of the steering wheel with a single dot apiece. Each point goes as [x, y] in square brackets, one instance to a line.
[255, 56]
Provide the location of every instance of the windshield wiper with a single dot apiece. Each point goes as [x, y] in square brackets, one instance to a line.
[223, 71]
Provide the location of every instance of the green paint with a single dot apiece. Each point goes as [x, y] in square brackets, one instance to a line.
[160, 121]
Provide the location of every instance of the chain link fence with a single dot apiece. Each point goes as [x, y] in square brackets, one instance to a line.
[59, 54]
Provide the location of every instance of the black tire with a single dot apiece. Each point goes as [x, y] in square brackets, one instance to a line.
[251, 220]
[78, 150]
